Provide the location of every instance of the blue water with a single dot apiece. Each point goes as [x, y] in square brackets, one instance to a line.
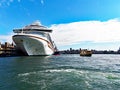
[63, 72]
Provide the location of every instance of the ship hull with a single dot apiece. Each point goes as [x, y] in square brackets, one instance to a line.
[33, 45]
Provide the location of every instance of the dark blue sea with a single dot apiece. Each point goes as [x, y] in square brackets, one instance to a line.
[63, 72]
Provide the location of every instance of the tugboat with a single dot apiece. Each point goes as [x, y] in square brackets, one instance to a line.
[85, 52]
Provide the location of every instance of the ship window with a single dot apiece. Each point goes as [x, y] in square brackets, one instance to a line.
[21, 40]
[37, 33]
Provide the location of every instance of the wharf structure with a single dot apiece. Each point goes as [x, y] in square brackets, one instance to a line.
[8, 49]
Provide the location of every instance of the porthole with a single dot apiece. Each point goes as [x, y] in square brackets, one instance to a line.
[21, 40]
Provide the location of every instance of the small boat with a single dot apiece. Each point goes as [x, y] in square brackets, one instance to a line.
[56, 53]
[85, 52]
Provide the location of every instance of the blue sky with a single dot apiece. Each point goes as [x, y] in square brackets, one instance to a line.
[91, 24]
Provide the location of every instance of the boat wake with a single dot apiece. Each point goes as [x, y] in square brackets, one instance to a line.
[70, 77]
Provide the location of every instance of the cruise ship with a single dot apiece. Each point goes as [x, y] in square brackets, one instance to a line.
[34, 39]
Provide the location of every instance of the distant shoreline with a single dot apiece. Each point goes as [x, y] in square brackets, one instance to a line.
[77, 51]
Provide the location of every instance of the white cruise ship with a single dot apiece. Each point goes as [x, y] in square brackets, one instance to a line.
[34, 39]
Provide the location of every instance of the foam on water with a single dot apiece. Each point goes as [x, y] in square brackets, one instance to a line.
[73, 77]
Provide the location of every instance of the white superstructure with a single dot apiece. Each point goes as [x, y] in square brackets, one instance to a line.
[34, 39]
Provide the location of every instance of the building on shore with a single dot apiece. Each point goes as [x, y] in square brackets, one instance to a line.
[7, 49]
[0, 44]
[77, 51]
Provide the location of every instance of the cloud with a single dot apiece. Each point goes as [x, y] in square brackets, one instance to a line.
[11, 0]
[95, 31]
[6, 38]
[82, 31]
[19, 0]
[5, 3]
[42, 2]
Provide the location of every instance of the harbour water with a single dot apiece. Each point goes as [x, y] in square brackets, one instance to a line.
[63, 72]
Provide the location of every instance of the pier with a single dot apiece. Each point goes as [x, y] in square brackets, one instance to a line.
[8, 49]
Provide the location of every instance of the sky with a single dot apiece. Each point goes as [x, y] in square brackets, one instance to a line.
[87, 24]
